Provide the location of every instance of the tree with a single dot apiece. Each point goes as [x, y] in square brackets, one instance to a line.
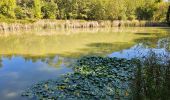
[161, 11]
[146, 11]
[25, 9]
[130, 7]
[72, 9]
[7, 8]
[50, 10]
[97, 10]
[19, 13]
[168, 15]
[37, 8]
[116, 9]
[83, 9]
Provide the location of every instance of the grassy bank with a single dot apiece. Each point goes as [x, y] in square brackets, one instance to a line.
[16, 25]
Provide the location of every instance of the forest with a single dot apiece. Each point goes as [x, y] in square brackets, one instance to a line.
[152, 10]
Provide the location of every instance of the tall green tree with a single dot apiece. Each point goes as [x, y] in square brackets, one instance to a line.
[146, 10]
[83, 9]
[97, 10]
[161, 11]
[116, 9]
[63, 6]
[50, 10]
[25, 9]
[37, 8]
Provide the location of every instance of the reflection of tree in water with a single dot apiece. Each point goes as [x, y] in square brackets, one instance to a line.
[53, 60]
[57, 61]
[148, 41]
[152, 80]
[154, 40]
[0, 61]
[100, 48]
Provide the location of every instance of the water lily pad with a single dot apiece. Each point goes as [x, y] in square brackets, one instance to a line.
[94, 78]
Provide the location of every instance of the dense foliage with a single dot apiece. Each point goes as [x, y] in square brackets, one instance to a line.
[85, 9]
[7, 8]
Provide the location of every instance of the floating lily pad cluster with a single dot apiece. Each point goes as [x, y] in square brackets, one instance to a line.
[94, 78]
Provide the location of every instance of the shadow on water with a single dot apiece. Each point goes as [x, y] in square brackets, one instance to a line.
[101, 49]
[104, 48]
[144, 33]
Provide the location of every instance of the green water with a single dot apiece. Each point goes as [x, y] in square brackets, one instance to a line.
[32, 56]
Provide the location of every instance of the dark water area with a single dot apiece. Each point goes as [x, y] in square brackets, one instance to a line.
[30, 57]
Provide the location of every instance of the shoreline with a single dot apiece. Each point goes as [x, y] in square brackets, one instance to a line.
[71, 24]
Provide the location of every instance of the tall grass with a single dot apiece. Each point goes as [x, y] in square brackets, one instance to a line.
[15, 25]
[152, 78]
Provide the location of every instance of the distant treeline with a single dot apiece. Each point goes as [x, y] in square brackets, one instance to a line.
[155, 10]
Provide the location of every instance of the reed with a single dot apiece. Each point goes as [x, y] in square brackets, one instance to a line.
[56, 24]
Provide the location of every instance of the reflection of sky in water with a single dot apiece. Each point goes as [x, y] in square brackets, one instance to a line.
[138, 51]
[141, 50]
[17, 74]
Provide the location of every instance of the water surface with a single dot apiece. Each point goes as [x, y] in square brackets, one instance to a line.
[33, 56]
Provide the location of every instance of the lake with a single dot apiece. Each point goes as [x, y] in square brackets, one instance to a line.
[31, 56]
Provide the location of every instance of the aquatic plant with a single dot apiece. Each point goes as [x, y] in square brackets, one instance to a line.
[104, 78]
[93, 78]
